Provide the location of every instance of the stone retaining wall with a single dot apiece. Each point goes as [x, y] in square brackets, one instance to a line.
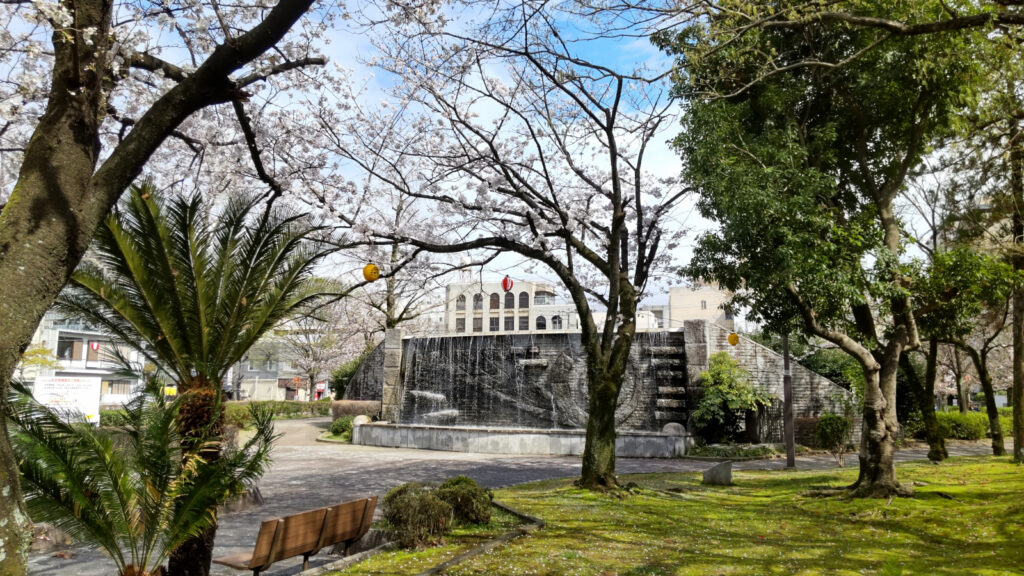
[514, 440]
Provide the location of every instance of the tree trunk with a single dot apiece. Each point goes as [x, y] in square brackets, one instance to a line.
[44, 231]
[877, 478]
[980, 360]
[924, 394]
[606, 368]
[60, 196]
[194, 557]
[963, 391]
[1017, 393]
[1017, 259]
[599, 452]
[199, 417]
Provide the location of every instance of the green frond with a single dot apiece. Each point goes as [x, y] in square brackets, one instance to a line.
[129, 490]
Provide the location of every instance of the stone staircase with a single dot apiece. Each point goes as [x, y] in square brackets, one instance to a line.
[668, 364]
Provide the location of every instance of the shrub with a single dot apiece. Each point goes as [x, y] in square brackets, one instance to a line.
[969, 426]
[341, 408]
[470, 502]
[237, 414]
[803, 430]
[342, 427]
[113, 418]
[913, 425]
[832, 433]
[341, 375]
[727, 390]
[415, 515]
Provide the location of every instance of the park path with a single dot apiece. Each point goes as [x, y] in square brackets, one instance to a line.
[307, 474]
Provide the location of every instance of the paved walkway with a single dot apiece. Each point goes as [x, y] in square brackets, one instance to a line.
[307, 474]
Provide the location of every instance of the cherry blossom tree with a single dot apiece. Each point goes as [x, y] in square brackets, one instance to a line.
[522, 144]
[91, 91]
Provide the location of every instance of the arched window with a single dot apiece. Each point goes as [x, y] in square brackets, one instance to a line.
[460, 302]
[556, 322]
[510, 300]
[524, 299]
[478, 301]
[541, 323]
[495, 301]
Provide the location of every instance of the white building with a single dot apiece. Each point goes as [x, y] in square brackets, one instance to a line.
[81, 351]
[485, 307]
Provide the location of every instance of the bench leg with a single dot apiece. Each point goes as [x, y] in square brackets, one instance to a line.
[305, 562]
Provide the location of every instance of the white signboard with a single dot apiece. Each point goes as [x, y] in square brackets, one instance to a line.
[70, 394]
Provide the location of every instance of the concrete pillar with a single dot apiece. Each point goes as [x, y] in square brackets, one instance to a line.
[391, 394]
[697, 344]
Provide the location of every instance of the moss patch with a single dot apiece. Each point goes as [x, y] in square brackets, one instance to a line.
[967, 517]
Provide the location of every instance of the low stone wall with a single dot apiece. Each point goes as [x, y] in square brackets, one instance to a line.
[515, 440]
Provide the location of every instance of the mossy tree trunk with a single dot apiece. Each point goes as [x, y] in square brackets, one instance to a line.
[604, 384]
[62, 192]
[877, 477]
[980, 361]
[607, 359]
[924, 393]
[1016, 159]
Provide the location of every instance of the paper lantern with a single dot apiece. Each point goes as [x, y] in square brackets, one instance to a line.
[734, 338]
[506, 284]
[371, 272]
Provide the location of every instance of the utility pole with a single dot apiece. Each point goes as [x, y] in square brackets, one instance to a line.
[788, 430]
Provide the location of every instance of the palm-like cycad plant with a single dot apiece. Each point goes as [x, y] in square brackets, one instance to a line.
[192, 293]
[135, 491]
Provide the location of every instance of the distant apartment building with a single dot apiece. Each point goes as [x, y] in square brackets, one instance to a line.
[82, 351]
[700, 301]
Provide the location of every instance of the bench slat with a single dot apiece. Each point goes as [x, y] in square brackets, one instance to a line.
[299, 534]
[305, 534]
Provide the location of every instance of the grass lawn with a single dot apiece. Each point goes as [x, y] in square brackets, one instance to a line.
[967, 518]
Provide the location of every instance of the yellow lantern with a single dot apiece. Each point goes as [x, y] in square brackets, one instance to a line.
[734, 338]
[371, 272]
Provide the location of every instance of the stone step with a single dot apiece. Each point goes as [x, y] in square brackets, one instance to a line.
[666, 416]
[668, 390]
[667, 403]
[665, 350]
[670, 373]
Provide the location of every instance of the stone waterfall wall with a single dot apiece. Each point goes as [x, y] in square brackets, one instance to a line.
[538, 380]
[527, 381]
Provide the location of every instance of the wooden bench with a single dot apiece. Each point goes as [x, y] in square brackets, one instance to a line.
[305, 534]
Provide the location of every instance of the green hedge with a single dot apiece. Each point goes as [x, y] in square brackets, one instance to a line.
[113, 418]
[237, 413]
[960, 426]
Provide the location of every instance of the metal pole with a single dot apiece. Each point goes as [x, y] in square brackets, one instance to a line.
[787, 405]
